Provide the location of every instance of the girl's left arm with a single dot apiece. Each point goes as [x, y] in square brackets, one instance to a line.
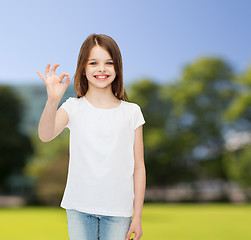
[139, 184]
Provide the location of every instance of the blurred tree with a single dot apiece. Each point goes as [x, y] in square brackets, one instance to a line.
[183, 136]
[48, 168]
[237, 161]
[238, 167]
[15, 146]
[199, 98]
[240, 109]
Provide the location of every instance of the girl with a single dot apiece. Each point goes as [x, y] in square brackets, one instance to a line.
[106, 175]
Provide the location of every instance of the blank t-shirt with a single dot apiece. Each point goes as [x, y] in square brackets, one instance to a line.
[101, 160]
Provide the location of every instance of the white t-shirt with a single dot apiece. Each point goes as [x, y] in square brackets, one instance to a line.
[101, 161]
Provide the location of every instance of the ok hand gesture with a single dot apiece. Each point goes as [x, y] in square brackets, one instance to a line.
[54, 86]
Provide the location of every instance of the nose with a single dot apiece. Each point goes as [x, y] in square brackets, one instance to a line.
[101, 68]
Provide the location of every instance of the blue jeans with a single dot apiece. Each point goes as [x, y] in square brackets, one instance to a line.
[85, 226]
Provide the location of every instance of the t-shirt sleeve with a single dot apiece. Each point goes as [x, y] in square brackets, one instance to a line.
[138, 117]
[68, 106]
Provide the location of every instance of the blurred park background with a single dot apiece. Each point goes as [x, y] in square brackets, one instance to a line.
[187, 64]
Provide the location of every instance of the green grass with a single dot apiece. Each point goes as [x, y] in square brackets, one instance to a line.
[159, 221]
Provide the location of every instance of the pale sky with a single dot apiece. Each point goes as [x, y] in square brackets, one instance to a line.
[156, 38]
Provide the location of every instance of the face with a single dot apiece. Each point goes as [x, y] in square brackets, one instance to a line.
[99, 69]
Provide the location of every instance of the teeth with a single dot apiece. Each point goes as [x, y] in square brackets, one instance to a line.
[101, 76]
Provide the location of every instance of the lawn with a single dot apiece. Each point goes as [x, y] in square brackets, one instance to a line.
[159, 221]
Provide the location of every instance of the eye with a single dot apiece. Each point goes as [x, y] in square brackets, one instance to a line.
[110, 63]
[92, 63]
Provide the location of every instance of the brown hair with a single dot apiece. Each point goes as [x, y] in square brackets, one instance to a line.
[106, 42]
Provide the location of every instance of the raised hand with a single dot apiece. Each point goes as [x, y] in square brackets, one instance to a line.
[55, 87]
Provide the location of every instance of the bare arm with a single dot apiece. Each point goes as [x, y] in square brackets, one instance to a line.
[139, 178]
[53, 121]
[139, 174]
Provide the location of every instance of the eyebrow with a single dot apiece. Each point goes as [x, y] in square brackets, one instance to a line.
[96, 59]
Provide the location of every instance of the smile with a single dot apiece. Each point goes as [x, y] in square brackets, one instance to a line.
[101, 77]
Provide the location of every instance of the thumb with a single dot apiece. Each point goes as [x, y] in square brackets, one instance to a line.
[128, 235]
[67, 81]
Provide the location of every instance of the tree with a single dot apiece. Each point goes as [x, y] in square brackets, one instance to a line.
[240, 108]
[48, 168]
[238, 167]
[184, 134]
[15, 146]
[237, 162]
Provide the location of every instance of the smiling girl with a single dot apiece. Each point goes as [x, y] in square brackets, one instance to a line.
[106, 175]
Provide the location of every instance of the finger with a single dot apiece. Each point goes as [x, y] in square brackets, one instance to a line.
[133, 233]
[128, 235]
[136, 237]
[41, 75]
[67, 81]
[47, 74]
[62, 75]
[53, 73]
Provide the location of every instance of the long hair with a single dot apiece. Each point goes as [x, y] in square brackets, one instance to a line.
[106, 42]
